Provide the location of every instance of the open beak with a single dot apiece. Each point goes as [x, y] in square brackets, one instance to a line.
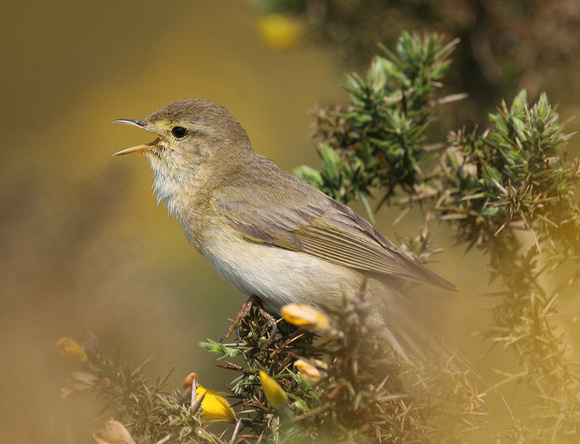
[139, 148]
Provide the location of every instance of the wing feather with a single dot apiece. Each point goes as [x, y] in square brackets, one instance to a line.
[321, 227]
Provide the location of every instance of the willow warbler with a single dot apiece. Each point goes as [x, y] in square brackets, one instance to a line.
[265, 231]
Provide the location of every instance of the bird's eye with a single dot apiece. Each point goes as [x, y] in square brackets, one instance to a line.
[179, 132]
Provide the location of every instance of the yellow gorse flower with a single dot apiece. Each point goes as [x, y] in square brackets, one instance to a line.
[70, 349]
[305, 316]
[215, 408]
[280, 31]
[312, 373]
[115, 433]
[275, 395]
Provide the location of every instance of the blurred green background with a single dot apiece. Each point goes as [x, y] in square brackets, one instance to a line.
[83, 245]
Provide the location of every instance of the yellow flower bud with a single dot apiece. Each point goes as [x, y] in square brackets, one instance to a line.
[189, 385]
[280, 31]
[215, 408]
[115, 433]
[70, 349]
[312, 373]
[305, 316]
[275, 395]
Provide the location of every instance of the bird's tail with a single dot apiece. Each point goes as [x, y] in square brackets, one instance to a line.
[408, 326]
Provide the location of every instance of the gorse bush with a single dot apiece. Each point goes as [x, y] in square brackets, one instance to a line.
[493, 189]
[377, 142]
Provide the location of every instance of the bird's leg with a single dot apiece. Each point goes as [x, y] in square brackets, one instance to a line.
[245, 308]
[271, 322]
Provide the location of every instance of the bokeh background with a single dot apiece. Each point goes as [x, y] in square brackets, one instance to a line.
[83, 246]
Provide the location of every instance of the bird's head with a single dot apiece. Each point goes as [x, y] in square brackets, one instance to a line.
[191, 133]
[198, 143]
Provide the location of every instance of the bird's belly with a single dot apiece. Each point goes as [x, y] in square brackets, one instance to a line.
[278, 276]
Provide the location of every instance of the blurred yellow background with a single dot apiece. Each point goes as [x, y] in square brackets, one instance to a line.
[82, 244]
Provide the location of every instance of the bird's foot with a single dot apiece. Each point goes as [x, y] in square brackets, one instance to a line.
[245, 308]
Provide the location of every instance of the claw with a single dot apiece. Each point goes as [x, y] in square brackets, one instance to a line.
[245, 308]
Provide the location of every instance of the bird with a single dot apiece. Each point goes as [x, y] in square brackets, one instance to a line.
[268, 233]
